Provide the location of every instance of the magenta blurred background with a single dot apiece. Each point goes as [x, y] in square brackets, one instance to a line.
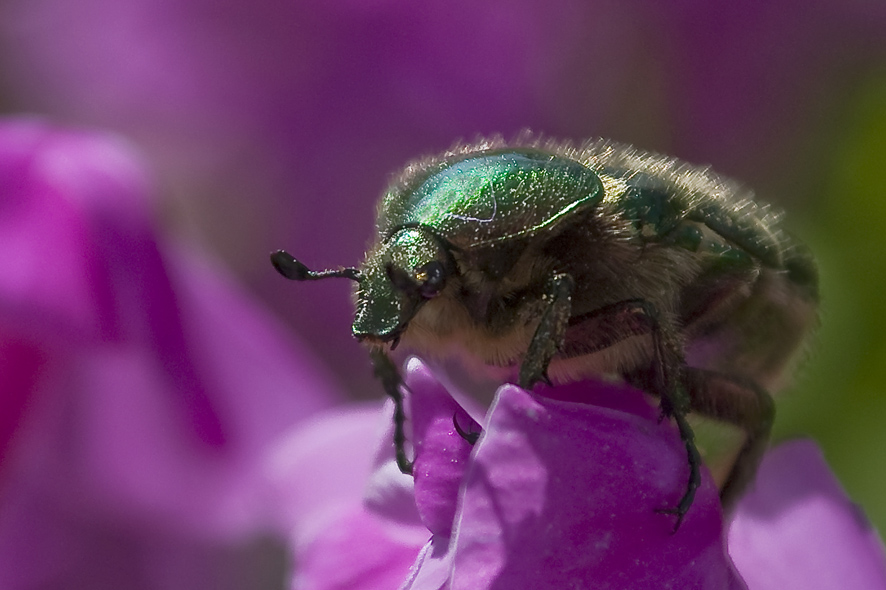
[276, 124]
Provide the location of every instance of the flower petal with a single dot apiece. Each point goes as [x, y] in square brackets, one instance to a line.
[340, 540]
[143, 386]
[797, 529]
[441, 453]
[564, 495]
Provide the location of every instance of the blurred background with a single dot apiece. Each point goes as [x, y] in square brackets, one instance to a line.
[276, 124]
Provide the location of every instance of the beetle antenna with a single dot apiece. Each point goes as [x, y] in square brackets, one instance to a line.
[294, 270]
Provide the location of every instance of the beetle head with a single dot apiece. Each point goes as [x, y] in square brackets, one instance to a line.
[409, 268]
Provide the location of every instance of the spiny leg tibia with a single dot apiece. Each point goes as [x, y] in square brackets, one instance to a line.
[390, 379]
[551, 331]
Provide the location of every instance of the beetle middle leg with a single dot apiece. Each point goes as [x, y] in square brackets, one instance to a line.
[614, 323]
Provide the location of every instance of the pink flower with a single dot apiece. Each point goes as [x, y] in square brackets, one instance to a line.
[141, 388]
[561, 491]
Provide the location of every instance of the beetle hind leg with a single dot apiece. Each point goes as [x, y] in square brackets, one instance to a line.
[662, 376]
[688, 438]
[743, 404]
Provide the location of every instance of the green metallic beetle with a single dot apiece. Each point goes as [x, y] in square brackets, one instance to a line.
[562, 262]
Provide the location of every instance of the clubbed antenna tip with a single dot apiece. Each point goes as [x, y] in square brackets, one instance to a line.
[294, 270]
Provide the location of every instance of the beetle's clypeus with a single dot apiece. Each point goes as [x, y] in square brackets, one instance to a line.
[566, 261]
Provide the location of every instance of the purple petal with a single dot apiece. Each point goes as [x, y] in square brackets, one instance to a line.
[797, 529]
[323, 466]
[389, 492]
[356, 552]
[561, 494]
[144, 388]
[441, 454]
[340, 541]
[57, 188]
[20, 366]
[433, 566]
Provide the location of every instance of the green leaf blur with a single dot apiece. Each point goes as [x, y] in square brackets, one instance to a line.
[840, 395]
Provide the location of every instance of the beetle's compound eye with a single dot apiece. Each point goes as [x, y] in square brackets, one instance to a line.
[426, 281]
[431, 278]
[401, 279]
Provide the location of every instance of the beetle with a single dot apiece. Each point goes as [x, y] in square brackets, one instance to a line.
[563, 261]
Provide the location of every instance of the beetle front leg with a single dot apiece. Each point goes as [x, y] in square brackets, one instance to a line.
[390, 379]
[550, 333]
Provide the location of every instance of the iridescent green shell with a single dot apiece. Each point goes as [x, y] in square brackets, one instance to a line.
[491, 197]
